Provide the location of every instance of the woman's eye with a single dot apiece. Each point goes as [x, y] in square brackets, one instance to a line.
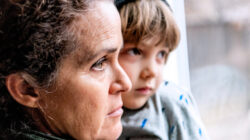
[100, 64]
[134, 51]
[162, 54]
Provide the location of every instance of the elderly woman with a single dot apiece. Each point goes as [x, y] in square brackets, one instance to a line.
[60, 78]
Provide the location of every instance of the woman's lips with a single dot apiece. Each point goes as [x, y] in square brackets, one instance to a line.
[144, 90]
[116, 112]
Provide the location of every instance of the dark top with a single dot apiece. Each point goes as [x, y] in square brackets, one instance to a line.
[31, 135]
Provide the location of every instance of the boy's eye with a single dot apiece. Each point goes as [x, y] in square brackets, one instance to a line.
[162, 54]
[100, 64]
[134, 51]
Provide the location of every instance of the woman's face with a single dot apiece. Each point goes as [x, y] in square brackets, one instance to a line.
[86, 103]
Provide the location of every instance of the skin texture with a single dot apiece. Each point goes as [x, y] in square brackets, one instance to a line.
[144, 64]
[86, 101]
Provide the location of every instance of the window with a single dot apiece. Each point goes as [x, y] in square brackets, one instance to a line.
[212, 61]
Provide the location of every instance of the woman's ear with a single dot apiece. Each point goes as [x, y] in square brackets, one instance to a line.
[21, 91]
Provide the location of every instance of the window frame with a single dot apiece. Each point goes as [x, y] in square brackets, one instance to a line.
[177, 68]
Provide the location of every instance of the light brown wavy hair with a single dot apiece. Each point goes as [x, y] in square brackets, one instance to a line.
[144, 20]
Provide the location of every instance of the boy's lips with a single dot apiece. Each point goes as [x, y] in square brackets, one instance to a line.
[116, 112]
[144, 90]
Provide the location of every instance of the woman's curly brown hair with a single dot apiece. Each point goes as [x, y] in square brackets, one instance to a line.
[34, 36]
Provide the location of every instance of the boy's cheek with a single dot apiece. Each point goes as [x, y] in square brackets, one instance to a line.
[159, 79]
[127, 59]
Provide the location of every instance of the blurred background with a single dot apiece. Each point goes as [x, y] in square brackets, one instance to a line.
[218, 40]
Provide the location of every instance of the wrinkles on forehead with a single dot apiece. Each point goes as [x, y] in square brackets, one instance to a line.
[84, 42]
[93, 32]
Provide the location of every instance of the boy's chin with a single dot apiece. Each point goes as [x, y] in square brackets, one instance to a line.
[135, 106]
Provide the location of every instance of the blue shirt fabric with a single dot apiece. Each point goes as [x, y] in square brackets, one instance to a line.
[170, 114]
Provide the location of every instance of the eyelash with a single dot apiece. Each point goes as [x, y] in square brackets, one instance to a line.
[135, 51]
[99, 63]
[163, 54]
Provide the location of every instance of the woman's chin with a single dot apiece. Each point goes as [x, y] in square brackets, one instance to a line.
[113, 131]
[118, 131]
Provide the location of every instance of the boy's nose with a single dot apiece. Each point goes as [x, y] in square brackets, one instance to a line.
[149, 71]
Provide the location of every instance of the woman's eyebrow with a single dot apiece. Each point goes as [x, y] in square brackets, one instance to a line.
[92, 55]
[103, 51]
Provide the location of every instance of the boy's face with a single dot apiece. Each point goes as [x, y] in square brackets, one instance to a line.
[144, 65]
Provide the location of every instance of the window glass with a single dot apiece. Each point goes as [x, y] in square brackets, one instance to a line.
[218, 38]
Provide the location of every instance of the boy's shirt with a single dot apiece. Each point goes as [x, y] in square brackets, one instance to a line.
[170, 114]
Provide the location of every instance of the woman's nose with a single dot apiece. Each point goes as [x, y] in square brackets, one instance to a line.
[122, 82]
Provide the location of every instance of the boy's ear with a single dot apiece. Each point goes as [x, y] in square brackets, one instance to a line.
[21, 91]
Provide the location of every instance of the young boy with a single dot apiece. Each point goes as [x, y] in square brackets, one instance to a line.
[150, 34]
